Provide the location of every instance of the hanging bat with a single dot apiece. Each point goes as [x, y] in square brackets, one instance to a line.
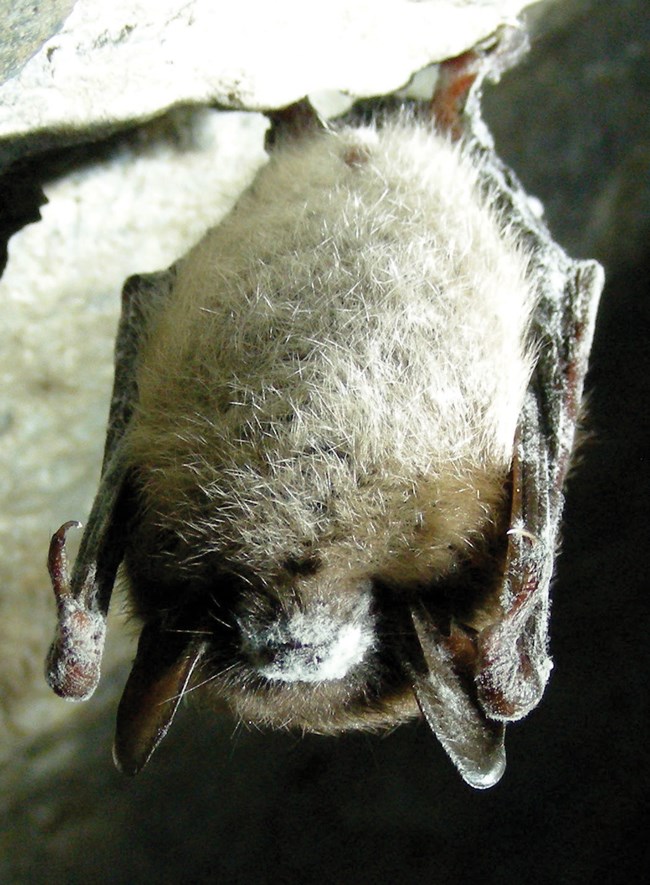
[337, 443]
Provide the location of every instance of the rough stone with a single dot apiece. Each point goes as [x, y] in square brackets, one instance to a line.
[25, 25]
[131, 59]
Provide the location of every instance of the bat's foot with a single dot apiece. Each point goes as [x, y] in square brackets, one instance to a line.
[72, 667]
[460, 77]
[293, 121]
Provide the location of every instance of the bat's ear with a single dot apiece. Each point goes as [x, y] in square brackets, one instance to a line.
[446, 694]
[160, 675]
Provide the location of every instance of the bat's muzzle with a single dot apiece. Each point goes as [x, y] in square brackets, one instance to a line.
[311, 645]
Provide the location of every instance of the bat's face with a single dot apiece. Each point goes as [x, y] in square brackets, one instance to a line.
[317, 652]
[320, 642]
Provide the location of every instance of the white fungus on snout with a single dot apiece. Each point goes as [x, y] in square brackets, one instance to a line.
[310, 646]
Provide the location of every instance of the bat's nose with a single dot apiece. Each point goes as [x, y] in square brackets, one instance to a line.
[309, 646]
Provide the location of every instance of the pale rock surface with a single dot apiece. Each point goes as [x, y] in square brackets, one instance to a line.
[24, 27]
[130, 59]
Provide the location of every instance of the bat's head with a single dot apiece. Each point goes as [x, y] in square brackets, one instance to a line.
[322, 642]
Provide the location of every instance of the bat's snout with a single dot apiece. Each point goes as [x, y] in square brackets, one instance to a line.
[310, 644]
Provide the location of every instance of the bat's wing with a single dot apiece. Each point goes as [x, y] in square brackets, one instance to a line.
[473, 682]
[513, 659]
[74, 660]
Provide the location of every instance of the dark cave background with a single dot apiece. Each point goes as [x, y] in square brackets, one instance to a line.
[573, 122]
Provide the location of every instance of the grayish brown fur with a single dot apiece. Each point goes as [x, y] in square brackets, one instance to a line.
[341, 365]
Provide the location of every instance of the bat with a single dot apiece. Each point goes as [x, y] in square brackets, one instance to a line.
[337, 443]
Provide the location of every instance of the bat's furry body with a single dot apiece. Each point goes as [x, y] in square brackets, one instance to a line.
[339, 361]
[335, 379]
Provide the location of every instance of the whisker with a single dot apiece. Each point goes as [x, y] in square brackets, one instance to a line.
[184, 691]
[190, 632]
[220, 621]
[213, 676]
